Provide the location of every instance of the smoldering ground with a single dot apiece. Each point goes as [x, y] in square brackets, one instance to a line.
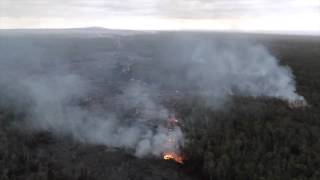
[109, 89]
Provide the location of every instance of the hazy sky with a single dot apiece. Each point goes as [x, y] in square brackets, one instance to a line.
[246, 15]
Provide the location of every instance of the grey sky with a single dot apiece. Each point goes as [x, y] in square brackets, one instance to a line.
[22, 13]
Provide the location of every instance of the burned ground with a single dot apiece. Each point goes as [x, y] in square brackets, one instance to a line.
[254, 138]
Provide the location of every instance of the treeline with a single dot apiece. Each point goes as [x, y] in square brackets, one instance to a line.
[255, 139]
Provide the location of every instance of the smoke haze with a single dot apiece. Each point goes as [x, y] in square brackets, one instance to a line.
[110, 88]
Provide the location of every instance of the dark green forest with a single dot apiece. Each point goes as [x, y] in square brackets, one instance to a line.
[255, 138]
[261, 138]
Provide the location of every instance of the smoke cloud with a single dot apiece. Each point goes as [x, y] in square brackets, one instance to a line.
[110, 88]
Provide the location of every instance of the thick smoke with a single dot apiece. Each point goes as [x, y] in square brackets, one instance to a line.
[110, 89]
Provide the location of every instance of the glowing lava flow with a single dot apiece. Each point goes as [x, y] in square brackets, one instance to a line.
[172, 141]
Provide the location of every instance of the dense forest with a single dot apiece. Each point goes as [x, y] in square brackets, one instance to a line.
[254, 138]
[261, 138]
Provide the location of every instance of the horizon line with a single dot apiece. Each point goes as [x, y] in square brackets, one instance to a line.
[275, 32]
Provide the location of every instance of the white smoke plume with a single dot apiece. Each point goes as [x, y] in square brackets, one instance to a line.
[109, 90]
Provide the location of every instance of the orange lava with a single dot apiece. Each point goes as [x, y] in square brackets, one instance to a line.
[173, 156]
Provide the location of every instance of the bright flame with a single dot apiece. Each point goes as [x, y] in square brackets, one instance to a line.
[173, 156]
[172, 141]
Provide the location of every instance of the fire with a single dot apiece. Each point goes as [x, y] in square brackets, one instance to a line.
[172, 141]
[173, 156]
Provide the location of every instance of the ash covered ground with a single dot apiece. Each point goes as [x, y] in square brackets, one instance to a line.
[94, 104]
